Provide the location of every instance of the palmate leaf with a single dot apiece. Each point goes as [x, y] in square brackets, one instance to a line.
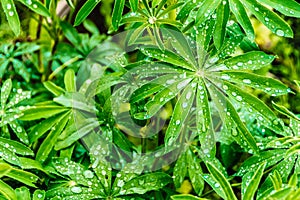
[216, 70]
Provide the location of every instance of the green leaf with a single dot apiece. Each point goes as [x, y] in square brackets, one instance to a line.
[165, 95]
[289, 8]
[280, 194]
[26, 48]
[76, 100]
[19, 131]
[231, 119]
[82, 129]
[195, 172]
[271, 157]
[85, 10]
[7, 191]
[240, 14]
[204, 121]
[28, 163]
[117, 13]
[11, 15]
[145, 183]
[134, 5]
[51, 139]
[5, 92]
[4, 169]
[283, 110]
[42, 111]
[91, 27]
[36, 7]
[23, 193]
[24, 177]
[41, 128]
[206, 9]
[251, 181]
[168, 57]
[180, 170]
[179, 115]
[186, 197]
[268, 85]
[21, 69]
[251, 60]
[71, 33]
[53, 88]
[222, 181]
[255, 105]
[221, 23]
[39, 195]
[16, 147]
[276, 24]
[70, 81]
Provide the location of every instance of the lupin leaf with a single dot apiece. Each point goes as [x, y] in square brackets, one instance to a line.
[240, 13]
[85, 10]
[289, 8]
[12, 16]
[117, 13]
[36, 7]
[221, 23]
[180, 113]
[222, 181]
[276, 24]
[251, 60]
[7, 191]
[51, 139]
[251, 181]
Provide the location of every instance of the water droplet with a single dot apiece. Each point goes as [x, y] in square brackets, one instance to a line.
[8, 6]
[239, 98]
[225, 87]
[225, 76]
[11, 13]
[34, 6]
[170, 81]
[120, 183]
[184, 105]
[76, 189]
[40, 196]
[19, 129]
[256, 9]
[247, 81]
[188, 95]
[217, 185]
[88, 174]
[279, 32]
[177, 122]
[267, 19]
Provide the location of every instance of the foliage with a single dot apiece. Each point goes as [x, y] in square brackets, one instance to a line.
[182, 102]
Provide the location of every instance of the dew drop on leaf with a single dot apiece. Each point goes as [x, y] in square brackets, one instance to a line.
[88, 174]
[279, 32]
[247, 81]
[76, 189]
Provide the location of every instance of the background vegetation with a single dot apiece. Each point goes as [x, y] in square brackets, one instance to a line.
[150, 99]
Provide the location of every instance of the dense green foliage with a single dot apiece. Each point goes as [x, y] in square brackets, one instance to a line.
[152, 99]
